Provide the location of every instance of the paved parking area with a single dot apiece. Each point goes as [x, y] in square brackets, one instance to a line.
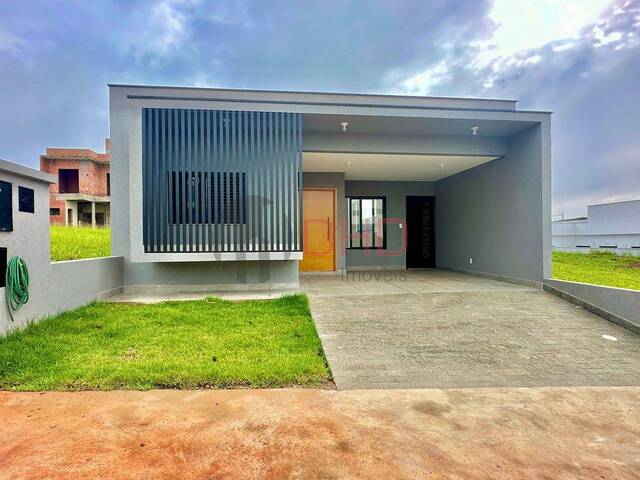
[436, 329]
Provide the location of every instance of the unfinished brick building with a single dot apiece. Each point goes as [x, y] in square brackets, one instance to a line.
[81, 197]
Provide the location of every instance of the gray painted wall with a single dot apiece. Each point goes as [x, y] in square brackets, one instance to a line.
[394, 256]
[53, 286]
[620, 302]
[494, 213]
[408, 144]
[194, 276]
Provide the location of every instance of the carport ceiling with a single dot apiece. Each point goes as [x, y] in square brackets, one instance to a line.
[390, 167]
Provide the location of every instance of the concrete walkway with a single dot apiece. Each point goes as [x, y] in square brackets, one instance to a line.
[555, 433]
[435, 329]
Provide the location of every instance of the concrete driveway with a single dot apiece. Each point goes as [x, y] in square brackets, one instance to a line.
[436, 329]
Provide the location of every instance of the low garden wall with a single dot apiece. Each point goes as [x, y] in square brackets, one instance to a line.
[63, 286]
[618, 305]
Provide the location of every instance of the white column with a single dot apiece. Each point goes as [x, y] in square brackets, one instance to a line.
[93, 214]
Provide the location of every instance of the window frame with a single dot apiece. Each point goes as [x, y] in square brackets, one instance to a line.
[349, 242]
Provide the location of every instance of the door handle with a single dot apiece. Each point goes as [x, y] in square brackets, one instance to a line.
[328, 229]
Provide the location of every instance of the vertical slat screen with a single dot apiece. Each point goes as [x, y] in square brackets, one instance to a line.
[221, 181]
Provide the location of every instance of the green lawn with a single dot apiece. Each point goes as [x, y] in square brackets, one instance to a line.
[199, 344]
[599, 268]
[73, 243]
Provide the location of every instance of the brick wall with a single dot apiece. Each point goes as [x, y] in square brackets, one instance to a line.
[92, 176]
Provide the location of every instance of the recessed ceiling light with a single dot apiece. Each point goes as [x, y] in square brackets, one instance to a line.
[442, 166]
[474, 130]
[344, 126]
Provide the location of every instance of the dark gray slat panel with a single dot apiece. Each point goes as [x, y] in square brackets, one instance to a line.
[262, 172]
[260, 152]
[275, 192]
[244, 233]
[225, 181]
[145, 180]
[214, 178]
[191, 190]
[161, 175]
[255, 182]
[294, 179]
[287, 163]
[271, 187]
[233, 181]
[207, 183]
[282, 181]
[300, 185]
[169, 180]
[156, 179]
[201, 184]
[183, 196]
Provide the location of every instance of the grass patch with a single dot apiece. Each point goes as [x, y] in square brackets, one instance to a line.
[199, 344]
[598, 268]
[74, 243]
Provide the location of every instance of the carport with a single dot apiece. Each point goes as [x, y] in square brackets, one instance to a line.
[439, 329]
[457, 186]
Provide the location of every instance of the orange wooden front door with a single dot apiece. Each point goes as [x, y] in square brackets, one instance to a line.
[319, 210]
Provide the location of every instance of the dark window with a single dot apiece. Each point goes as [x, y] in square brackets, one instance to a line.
[367, 227]
[6, 207]
[25, 199]
[68, 180]
[54, 212]
[108, 184]
[225, 195]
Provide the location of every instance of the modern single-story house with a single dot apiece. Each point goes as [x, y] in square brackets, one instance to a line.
[232, 189]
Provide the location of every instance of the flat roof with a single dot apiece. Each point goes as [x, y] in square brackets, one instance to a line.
[26, 172]
[319, 98]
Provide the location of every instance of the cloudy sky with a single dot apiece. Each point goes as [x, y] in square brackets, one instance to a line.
[579, 58]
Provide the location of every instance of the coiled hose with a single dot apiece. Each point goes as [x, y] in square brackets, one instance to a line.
[17, 285]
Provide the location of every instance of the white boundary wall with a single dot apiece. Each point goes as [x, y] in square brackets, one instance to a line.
[57, 286]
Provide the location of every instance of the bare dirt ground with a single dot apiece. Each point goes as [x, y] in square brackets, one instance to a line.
[510, 433]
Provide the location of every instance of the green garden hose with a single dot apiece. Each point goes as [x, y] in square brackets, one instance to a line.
[17, 285]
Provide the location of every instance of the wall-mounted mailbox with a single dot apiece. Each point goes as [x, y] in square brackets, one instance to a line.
[6, 208]
[25, 199]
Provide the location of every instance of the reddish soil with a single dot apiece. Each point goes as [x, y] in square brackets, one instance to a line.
[554, 433]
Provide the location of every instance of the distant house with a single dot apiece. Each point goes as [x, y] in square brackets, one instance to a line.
[607, 226]
[82, 195]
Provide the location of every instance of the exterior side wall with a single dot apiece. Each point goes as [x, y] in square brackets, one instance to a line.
[53, 287]
[394, 256]
[214, 276]
[619, 305]
[495, 213]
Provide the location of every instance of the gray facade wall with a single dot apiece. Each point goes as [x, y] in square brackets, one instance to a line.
[495, 213]
[394, 256]
[126, 225]
[210, 276]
